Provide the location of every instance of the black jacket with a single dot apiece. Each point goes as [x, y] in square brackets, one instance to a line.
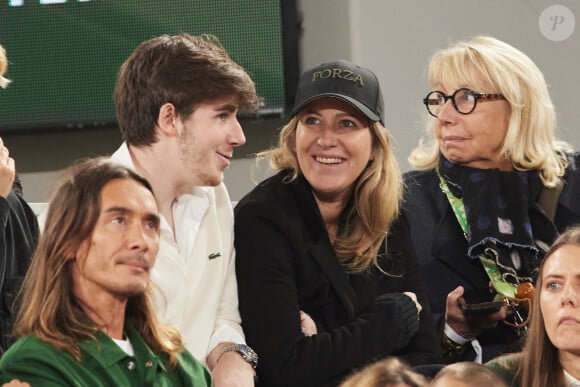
[285, 263]
[442, 248]
[17, 244]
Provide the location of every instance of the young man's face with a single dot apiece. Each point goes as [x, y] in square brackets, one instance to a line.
[207, 140]
[116, 259]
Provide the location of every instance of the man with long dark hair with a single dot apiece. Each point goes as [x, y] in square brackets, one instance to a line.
[86, 316]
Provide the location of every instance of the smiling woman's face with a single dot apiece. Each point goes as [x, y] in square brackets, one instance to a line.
[333, 147]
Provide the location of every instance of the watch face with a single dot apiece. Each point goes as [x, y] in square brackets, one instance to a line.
[249, 354]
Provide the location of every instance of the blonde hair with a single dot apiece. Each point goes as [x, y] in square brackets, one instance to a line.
[377, 196]
[473, 374]
[3, 66]
[485, 62]
[540, 364]
[385, 373]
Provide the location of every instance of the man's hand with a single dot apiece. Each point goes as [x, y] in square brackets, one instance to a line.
[469, 327]
[7, 170]
[229, 369]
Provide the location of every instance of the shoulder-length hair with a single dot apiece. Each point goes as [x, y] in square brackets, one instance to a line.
[49, 310]
[377, 196]
[540, 365]
[488, 64]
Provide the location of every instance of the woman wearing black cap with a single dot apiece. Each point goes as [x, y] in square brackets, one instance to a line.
[326, 272]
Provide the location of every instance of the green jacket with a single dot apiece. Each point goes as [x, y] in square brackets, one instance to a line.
[507, 366]
[103, 364]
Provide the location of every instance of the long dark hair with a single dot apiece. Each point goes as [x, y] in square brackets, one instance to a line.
[49, 309]
[540, 365]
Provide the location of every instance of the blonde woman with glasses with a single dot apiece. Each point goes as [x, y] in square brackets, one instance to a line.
[492, 189]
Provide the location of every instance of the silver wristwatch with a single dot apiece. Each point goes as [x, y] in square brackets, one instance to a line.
[247, 353]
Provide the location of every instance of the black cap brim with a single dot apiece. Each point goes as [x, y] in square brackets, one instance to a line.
[363, 108]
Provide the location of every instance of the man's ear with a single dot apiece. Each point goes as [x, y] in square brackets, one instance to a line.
[166, 120]
[80, 252]
[71, 256]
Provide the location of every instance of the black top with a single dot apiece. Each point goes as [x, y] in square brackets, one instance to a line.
[17, 244]
[285, 263]
[441, 246]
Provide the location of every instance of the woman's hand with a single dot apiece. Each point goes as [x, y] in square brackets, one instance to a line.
[413, 297]
[307, 324]
[469, 327]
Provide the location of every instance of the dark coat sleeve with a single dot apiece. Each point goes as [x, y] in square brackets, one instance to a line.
[442, 249]
[568, 213]
[277, 278]
[18, 241]
[442, 256]
[424, 347]
[426, 210]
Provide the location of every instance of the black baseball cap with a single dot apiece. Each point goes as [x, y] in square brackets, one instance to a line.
[341, 79]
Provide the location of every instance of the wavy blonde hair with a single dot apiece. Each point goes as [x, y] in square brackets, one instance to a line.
[485, 62]
[377, 196]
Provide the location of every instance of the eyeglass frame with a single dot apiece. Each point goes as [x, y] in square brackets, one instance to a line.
[485, 97]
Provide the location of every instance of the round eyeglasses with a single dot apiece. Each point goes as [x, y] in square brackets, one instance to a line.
[463, 100]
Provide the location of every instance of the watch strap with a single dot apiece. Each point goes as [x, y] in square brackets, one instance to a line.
[244, 350]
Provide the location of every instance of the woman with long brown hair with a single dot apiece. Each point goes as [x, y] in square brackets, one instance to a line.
[327, 279]
[551, 355]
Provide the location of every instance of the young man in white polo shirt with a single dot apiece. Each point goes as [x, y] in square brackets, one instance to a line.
[177, 100]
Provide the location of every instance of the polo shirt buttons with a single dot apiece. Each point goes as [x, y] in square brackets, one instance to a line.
[131, 365]
[148, 364]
